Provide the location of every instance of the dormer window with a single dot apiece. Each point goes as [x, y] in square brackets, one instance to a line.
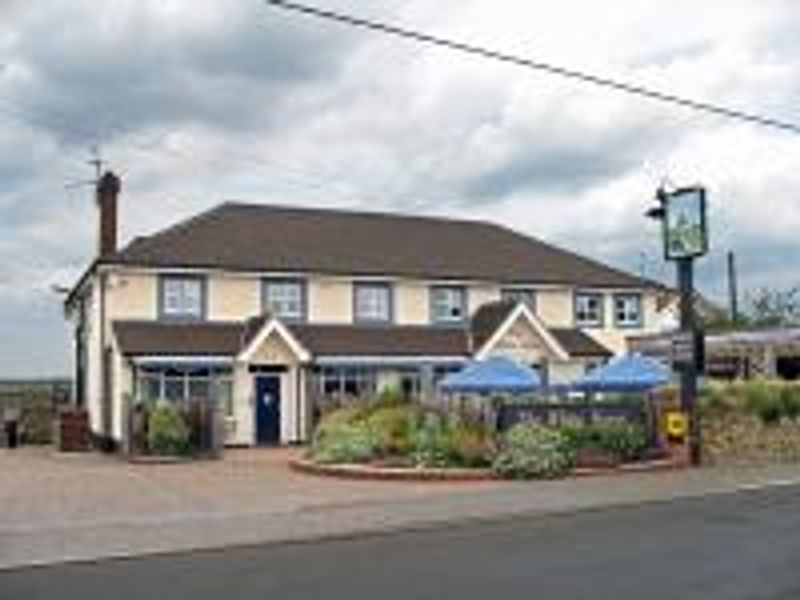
[182, 297]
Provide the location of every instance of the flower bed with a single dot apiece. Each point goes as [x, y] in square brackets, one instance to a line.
[405, 441]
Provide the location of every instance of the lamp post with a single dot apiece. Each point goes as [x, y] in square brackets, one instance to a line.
[682, 213]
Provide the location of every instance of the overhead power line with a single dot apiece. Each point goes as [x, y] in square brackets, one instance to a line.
[545, 67]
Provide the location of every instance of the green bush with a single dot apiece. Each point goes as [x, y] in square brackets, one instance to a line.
[764, 400]
[716, 399]
[388, 397]
[343, 442]
[167, 432]
[790, 401]
[393, 428]
[469, 445]
[402, 433]
[431, 443]
[622, 440]
[533, 451]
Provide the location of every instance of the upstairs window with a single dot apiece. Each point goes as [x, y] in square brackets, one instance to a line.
[182, 297]
[285, 298]
[373, 302]
[448, 304]
[628, 310]
[516, 295]
[589, 309]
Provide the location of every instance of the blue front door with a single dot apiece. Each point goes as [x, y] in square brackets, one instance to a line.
[268, 409]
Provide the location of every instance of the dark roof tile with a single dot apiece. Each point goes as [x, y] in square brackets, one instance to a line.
[269, 238]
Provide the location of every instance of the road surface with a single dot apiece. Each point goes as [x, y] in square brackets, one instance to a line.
[726, 547]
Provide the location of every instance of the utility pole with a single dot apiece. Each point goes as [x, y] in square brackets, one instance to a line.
[733, 289]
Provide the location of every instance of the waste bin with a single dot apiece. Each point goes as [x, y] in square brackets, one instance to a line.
[12, 433]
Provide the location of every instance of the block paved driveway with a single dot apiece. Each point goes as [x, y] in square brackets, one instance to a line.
[56, 508]
[72, 506]
[39, 487]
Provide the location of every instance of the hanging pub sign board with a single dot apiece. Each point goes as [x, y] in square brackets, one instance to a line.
[685, 228]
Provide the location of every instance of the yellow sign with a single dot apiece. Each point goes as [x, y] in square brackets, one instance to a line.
[676, 425]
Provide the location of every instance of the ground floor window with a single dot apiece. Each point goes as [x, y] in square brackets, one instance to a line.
[184, 384]
[347, 381]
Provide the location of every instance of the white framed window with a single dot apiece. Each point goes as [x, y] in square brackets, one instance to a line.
[589, 309]
[285, 298]
[448, 304]
[353, 382]
[182, 297]
[181, 385]
[373, 302]
[516, 295]
[628, 310]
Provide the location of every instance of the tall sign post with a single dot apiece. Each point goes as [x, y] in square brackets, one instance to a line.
[682, 213]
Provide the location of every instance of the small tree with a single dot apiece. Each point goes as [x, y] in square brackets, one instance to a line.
[167, 433]
[772, 307]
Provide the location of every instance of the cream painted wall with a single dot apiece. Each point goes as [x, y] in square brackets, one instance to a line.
[233, 297]
[478, 295]
[121, 394]
[411, 303]
[241, 428]
[554, 306]
[131, 295]
[330, 300]
[94, 363]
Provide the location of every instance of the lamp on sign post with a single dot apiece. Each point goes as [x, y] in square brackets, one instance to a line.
[682, 213]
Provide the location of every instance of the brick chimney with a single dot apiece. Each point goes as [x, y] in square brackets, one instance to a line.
[108, 187]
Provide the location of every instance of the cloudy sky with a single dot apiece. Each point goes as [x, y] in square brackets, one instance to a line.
[197, 101]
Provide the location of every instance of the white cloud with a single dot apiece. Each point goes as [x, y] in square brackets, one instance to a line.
[195, 102]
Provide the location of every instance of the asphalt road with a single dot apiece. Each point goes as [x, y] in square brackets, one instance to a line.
[742, 546]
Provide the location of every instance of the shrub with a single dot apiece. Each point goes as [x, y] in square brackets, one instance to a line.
[763, 400]
[531, 451]
[790, 401]
[431, 442]
[624, 441]
[167, 433]
[716, 399]
[389, 397]
[341, 441]
[393, 428]
[469, 445]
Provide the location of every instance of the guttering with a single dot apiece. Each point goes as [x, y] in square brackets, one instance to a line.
[182, 360]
